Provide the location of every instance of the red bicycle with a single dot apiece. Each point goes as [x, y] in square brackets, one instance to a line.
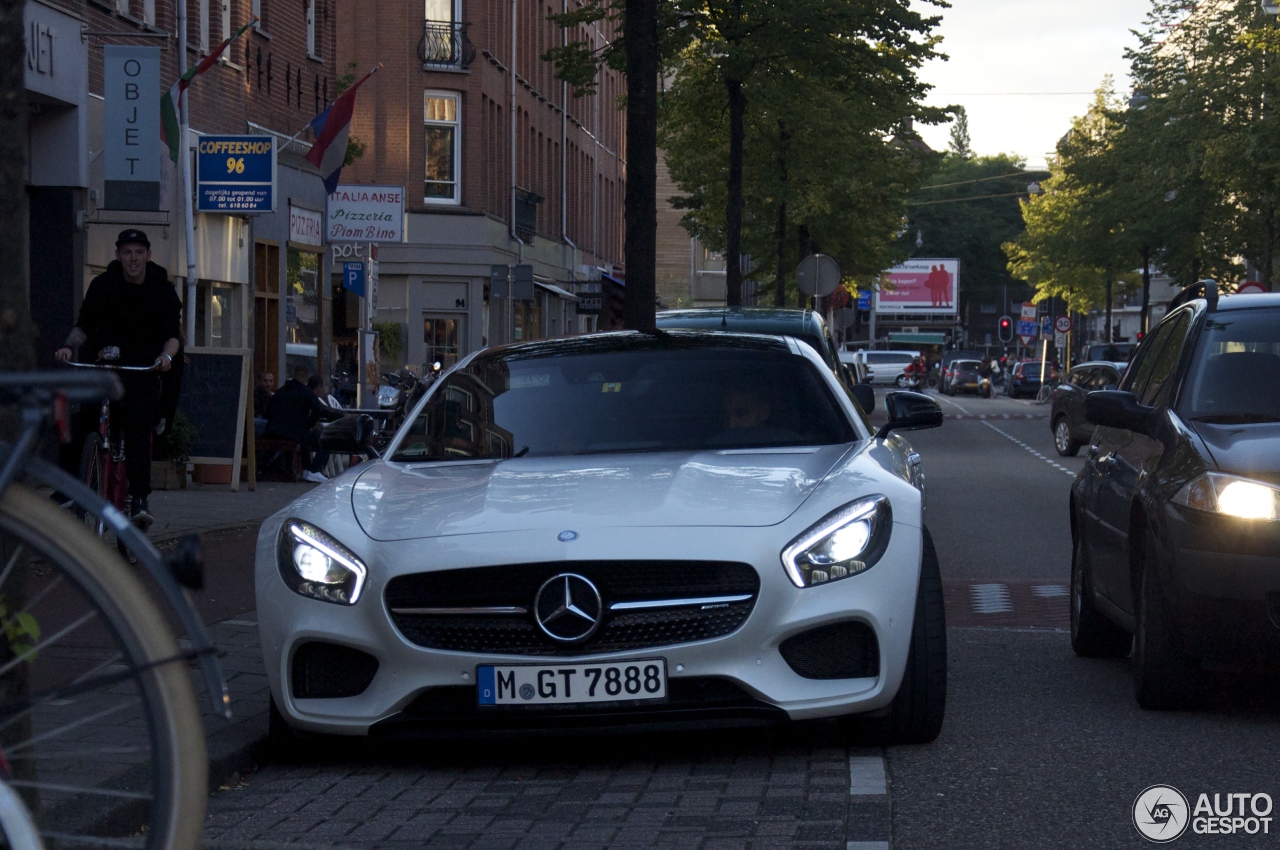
[102, 460]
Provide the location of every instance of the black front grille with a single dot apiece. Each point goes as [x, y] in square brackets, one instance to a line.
[617, 581]
[839, 651]
[327, 670]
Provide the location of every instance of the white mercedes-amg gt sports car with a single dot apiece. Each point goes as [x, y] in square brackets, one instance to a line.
[621, 530]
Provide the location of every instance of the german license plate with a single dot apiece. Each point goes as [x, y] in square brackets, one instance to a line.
[562, 684]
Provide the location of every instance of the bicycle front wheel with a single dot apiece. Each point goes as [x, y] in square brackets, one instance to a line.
[98, 719]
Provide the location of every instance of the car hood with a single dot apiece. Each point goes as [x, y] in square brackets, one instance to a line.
[1248, 450]
[749, 489]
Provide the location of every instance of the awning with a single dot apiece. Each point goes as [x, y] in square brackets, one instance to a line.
[552, 288]
[919, 339]
[613, 279]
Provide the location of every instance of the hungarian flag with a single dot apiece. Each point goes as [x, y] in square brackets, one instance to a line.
[331, 129]
[171, 101]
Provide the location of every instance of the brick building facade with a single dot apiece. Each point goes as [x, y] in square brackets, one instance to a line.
[501, 164]
[258, 286]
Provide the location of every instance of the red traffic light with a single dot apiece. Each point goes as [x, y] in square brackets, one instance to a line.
[1005, 323]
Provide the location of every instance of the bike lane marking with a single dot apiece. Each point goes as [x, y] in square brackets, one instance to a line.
[1030, 449]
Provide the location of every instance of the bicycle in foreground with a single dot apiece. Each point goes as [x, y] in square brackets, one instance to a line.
[101, 743]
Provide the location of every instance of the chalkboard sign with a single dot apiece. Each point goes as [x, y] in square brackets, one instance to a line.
[214, 390]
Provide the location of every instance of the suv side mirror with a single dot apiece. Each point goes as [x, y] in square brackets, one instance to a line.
[910, 412]
[1116, 409]
[351, 434]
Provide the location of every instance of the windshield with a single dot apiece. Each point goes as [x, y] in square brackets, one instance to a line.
[1235, 376]
[501, 406]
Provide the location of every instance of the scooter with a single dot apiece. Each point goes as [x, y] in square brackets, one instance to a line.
[398, 396]
[985, 390]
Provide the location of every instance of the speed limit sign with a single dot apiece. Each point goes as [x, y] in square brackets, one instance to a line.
[1062, 324]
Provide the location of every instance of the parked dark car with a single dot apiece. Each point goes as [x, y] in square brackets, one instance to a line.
[1066, 415]
[805, 325]
[1175, 516]
[1024, 378]
[961, 376]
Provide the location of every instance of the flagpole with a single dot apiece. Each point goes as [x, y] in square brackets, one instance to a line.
[184, 190]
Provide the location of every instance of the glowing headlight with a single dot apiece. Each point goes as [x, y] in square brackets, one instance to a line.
[844, 543]
[315, 565]
[1228, 495]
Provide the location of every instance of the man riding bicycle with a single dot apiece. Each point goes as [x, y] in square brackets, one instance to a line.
[131, 307]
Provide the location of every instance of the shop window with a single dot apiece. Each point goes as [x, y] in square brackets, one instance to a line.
[442, 148]
[302, 310]
[527, 320]
[443, 336]
[218, 315]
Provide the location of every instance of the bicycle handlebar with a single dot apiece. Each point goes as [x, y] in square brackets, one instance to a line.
[111, 367]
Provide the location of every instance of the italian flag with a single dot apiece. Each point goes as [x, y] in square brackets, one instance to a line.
[171, 101]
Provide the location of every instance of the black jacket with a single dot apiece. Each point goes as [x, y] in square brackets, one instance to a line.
[294, 409]
[138, 318]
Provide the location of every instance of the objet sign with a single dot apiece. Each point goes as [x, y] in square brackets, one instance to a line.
[131, 138]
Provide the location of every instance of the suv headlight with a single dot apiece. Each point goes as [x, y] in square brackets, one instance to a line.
[844, 543]
[1229, 495]
[315, 565]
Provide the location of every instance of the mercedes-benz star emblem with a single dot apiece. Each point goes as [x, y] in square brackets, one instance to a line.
[568, 607]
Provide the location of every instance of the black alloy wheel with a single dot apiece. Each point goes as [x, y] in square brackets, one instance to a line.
[1092, 634]
[1165, 678]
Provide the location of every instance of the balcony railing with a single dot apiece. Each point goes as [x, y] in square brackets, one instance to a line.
[445, 45]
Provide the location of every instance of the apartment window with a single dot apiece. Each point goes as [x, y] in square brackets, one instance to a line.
[440, 11]
[259, 9]
[149, 11]
[204, 26]
[311, 30]
[442, 148]
[122, 6]
[226, 22]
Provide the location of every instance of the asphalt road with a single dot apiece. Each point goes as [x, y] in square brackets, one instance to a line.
[1039, 748]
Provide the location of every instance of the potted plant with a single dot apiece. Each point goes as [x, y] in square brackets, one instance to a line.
[170, 453]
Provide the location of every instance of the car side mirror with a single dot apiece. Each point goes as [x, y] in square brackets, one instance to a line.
[351, 434]
[1116, 409]
[910, 412]
[865, 396]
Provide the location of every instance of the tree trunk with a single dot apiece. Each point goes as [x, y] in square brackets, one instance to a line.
[17, 336]
[1108, 337]
[1146, 290]
[733, 206]
[805, 246]
[1269, 248]
[780, 228]
[640, 22]
[779, 238]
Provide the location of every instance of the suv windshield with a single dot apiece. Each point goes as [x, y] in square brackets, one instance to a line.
[652, 399]
[1235, 376]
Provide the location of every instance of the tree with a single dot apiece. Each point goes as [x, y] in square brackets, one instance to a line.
[960, 134]
[782, 112]
[17, 336]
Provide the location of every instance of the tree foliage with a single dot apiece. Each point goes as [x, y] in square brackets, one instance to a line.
[780, 119]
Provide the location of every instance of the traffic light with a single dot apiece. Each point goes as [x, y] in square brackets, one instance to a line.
[1006, 329]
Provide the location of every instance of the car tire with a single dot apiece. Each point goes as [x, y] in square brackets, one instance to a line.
[1165, 679]
[915, 715]
[1066, 445]
[1092, 635]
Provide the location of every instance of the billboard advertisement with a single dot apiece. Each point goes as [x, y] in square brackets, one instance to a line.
[919, 286]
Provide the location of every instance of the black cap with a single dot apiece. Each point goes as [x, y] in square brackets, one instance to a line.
[132, 235]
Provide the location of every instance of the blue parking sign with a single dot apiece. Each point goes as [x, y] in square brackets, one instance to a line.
[353, 278]
[1046, 326]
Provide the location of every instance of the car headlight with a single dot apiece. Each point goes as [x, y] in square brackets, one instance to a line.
[844, 543]
[1229, 495]
[315, 565]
